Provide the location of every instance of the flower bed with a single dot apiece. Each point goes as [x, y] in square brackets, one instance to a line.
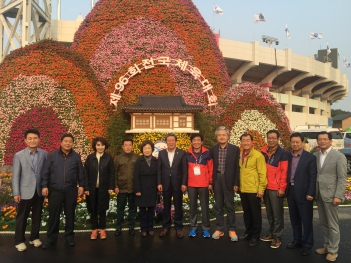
[8, 211]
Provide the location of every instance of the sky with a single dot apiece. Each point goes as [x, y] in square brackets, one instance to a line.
[332, 18]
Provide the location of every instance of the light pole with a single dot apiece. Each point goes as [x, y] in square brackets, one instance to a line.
[270, 40]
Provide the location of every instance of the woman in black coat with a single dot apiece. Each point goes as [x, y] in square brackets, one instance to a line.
[100, 180]
[145, 187]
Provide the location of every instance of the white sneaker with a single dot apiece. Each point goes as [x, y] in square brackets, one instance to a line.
[35, 242]
[21, 247]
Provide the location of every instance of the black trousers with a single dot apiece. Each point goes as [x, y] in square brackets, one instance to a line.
[178, 209]
[252, 214]
[301, 218]
[146, 216]
[68, 199]
[98, 220]
[25, 206]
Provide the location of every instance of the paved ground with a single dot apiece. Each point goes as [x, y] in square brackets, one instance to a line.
[127, 248]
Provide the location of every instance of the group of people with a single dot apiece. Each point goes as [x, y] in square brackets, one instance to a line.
[269, 175]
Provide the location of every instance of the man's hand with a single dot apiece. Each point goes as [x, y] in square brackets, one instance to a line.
[17, 198]
[280, 193]
[336, 201]
[309, 198]
[45, 191]
[86, 192]
[138, 194]
[159, 187]
[184, 188]
[236, 189]
[80, 191]
[110, 191]
[260, 195]
[116, 190]
[210, 188]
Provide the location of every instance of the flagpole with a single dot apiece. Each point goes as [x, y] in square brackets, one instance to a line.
[309, 38]
[213, 18]
[254, 29]
[286, 34]
[327, 51]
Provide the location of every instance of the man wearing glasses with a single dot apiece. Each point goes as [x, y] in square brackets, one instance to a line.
[277, 172]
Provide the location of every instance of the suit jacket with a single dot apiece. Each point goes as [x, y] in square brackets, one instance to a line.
[25, 180]
[305, 176]
[177, 174]
[231, 165]
[145, 182]
[332, 176]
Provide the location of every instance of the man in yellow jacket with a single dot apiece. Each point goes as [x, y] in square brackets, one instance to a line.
[253, 182]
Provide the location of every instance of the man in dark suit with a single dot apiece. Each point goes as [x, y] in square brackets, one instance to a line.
[301, 187]
[225, 180]
[27, 168]
[172, 178]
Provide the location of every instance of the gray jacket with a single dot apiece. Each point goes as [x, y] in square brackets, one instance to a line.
[25, 180]
[331, 177]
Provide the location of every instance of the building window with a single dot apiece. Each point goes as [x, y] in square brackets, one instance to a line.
[162, 122]
[312, 110]
[296, 108]
[142, 122]
[182, 121]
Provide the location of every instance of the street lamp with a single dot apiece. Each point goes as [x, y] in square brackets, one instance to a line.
[270, 40]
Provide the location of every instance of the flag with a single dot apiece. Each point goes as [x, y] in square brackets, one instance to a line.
[217, 10]
[328, 49]
[287, 31]
[347, 64]
[315, 35]
[259, 18]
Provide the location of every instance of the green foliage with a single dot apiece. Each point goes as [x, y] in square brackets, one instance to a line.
[207, 126]
[338, 112]
[119, 123]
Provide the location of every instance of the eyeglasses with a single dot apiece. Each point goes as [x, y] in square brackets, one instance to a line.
[323, 140]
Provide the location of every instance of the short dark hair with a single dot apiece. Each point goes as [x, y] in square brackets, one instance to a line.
[194, 135]
[245, 135]
[274, 131]
[99, 139]
[127, 140]
[34, 131]
[146, 142]
[170, 135]
[330, 137]
[67, 135]
[297, 134]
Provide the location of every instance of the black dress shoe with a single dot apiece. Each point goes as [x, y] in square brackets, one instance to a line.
[48, 245]
[254, 242]
[293, 245]
[306, 251]
[131, 231]
[245, 237]
[118, 232]
[70, 243]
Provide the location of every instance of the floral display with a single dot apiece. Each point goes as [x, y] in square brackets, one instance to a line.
[249, 107]
[52, 105]
[48, 69]
[111, 40]
[56, 89]
[253, 122]
[183, 140]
